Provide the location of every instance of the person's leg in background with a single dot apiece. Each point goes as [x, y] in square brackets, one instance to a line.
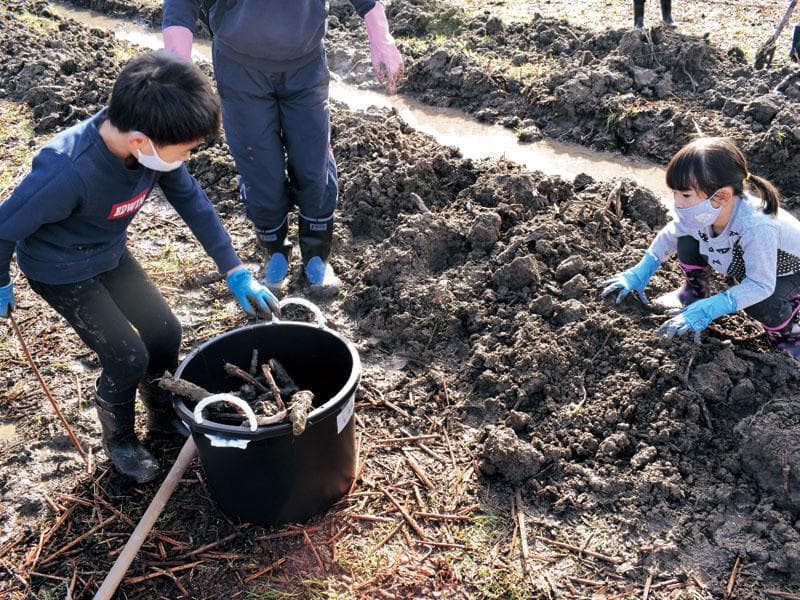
[313, 183]
[253, 131]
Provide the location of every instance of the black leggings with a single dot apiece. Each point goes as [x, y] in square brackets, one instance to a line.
[774, 312]
[121, 315]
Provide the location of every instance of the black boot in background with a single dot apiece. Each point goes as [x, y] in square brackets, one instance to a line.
[316, 237]
[120, 442]
[666, 13]
[161, 416]
[638, 14]
[794, 53]
[278, 250]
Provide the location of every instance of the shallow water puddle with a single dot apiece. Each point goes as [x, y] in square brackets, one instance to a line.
[449, 127]
[7, 433]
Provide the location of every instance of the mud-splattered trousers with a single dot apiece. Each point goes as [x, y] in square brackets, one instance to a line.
[120, 315]
[277, 125]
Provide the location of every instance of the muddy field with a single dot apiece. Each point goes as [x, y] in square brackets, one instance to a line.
[573, 453]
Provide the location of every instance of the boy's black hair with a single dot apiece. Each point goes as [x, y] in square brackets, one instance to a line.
[165, 97]
[710, 163]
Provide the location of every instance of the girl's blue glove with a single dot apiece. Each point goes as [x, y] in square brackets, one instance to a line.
[7, 302]
[252, 296]
[698, 315]
[633, 280]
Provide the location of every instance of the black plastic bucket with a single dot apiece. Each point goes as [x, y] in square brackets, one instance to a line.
[268, 476]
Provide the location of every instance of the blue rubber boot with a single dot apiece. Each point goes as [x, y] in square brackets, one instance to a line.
[278, 255]
[316, 237]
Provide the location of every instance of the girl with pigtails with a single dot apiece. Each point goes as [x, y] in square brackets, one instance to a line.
[718, 224]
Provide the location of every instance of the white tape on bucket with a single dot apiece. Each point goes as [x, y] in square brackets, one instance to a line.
[343, 418]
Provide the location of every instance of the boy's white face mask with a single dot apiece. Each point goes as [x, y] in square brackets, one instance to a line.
[154, 161]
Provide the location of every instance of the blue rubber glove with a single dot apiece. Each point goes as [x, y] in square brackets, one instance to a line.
[252, 296]
[633, 280]
[698, 315]
[7, 302]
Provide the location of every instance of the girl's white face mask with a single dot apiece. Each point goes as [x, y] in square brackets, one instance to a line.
[702, 214]
[154, 161]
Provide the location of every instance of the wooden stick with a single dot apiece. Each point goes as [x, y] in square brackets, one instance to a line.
[289, 533]
[232, 369]
[276, 392]
[184, 388]
[27, 353]
[124, 560]
[283, 378]
[732, 578]
[162, 572]
[610, 559]
[418, 470]
[647, 584]
[523, 530]
[207, 547]
[388, 536]
[314, 550]
[780, 594]
[409, 519]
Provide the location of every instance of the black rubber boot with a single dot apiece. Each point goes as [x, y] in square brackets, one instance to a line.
[121, 444]
[161, 416]
[666, 13]
[278, 255]
[794, 53]
[316, 238]
[638, 14]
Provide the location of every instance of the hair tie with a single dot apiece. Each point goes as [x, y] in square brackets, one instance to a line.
[747, 177]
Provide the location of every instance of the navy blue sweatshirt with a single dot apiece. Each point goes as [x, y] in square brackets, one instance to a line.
[276, 35]
[68, 219]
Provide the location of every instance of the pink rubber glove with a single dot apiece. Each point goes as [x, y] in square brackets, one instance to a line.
[386, 59]
[178, 40]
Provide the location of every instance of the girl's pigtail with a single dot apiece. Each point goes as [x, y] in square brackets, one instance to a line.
[770, 195]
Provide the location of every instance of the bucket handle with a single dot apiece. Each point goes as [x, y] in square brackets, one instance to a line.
[231, 399]
[305, 303]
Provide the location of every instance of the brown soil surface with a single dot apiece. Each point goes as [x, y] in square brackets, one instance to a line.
[665, 469]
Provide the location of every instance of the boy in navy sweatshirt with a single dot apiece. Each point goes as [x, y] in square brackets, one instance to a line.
[68, 222]
[272, 77]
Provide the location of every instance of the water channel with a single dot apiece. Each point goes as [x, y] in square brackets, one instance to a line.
[450, 127]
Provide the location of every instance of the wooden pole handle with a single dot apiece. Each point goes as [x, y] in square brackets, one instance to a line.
[131, 549]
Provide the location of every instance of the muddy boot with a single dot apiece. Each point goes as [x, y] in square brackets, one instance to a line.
[786, 339]
[696, 285]
[666, 13]
[794, 53]
[278, 250]
[316, 236]
[161, 416]
[121, 444]
[638, 14]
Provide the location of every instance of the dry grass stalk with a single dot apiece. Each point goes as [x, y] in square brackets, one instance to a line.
[405, 440]
[265, 570]
[604, 557]
[78, 540]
